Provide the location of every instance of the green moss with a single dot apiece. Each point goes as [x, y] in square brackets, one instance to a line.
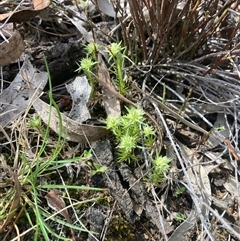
[120, 229]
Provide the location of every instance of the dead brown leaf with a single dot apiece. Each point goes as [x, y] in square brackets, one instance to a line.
[71, 130]
[25, 14]
[111, 102]
[57, 203]
[11, 50]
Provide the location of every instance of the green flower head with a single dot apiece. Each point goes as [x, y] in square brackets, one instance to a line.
[134, 115]
[91, 49]
[148, 131]
[86, 65]
[115, 49]
[113, 124]
[127, 143]
[161, 163]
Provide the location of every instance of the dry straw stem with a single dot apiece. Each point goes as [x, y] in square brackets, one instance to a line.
[163, 29]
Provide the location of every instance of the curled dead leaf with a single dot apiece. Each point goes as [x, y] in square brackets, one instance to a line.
[57, 203]
[11, 50]
[25, 14]
[71, 130]
[13, 98]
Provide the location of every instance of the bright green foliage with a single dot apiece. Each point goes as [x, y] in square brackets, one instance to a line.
[180, 190]
[160, 167]
[134, 116]
[180, 217]
[35, 122]
[114, 124]
[87, 66]
[117, 57]
[126, 146]
[148, 133]
[96, 168]
[116, 52]
[128, 130]
[92, 49]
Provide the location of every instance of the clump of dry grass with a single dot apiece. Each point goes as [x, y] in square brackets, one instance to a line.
[167, 30]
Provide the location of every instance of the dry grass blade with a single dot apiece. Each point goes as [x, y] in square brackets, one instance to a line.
[173, 29]
[15, 202]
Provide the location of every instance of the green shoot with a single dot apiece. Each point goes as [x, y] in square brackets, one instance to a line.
[160, 168]
[148, 133]
[128, 130]
[180, 217]
[180, 190]
[116, 53]
[117, 57]
[126, 146]
[87, 65]
[35, 122]
[114, 124]
[96, 168]
[92, 49]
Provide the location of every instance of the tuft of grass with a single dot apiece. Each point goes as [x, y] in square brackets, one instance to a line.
[163, 31]
[33, 179]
